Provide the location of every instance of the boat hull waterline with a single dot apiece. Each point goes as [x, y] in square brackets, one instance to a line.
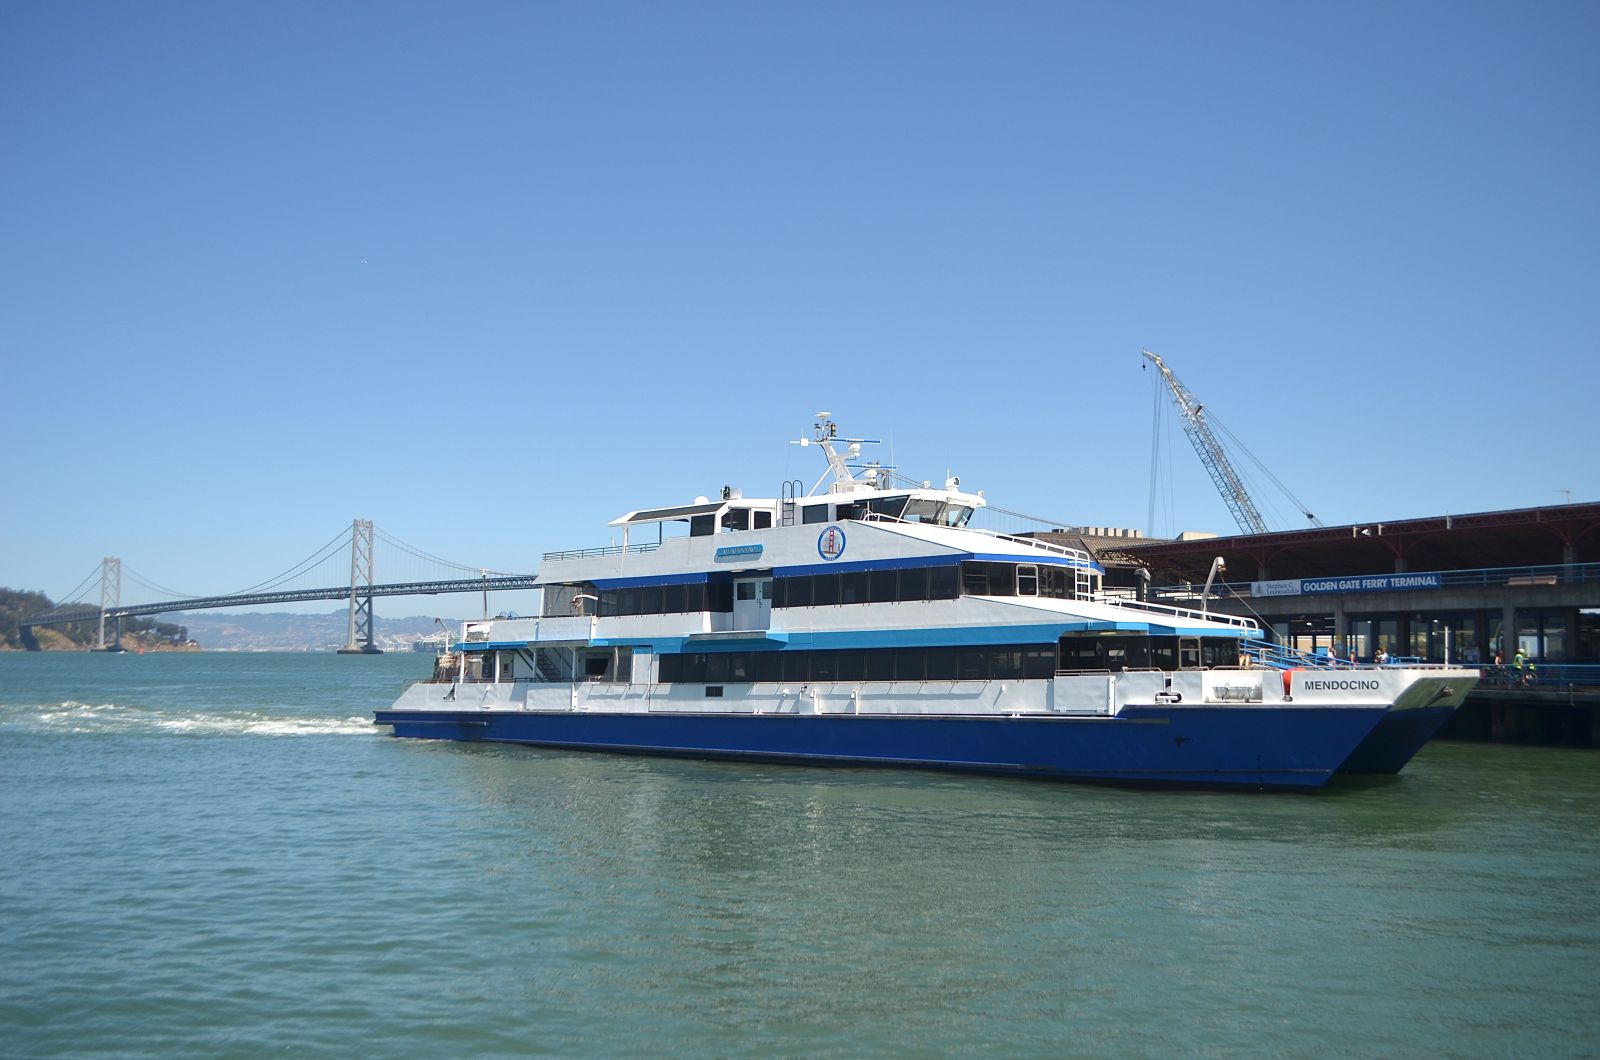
[1254, 747]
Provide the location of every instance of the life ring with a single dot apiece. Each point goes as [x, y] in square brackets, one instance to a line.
[1288, 677]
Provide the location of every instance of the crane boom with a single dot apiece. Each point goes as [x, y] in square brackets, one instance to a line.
[1211, 452]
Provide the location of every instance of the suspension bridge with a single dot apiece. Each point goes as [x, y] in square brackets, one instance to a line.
[320, 576]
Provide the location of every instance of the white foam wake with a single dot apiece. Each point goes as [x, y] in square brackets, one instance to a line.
[71, 717]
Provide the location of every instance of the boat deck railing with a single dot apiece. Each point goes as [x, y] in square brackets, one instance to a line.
[1278, 657]
[1174, 611]
[606, 550]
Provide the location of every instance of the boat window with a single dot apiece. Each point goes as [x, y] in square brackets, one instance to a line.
[988, 579]
[762, 520]
[794, 592]
[910, 664]
[702, 525]
[736, 519]
[719, 596]
[1189, 653]
[1002, 579]
[974, 579]
[1055, 582]
[880, 586]
[1163, 653]
[814, 513]
[889, 506]
[1111, 653]
[941, 664]
[849, 511]
[1027, 579]
[745, 591]
[972, 664]
[797, 666]
[923, 511]
[944, 583]
[1005, 664]
[768, 666]
[1038, 662]
[675, 599]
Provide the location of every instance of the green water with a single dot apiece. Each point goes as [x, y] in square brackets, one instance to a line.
[217, 855]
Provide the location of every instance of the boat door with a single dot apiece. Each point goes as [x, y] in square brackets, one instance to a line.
[1188, 653]
[752, 602]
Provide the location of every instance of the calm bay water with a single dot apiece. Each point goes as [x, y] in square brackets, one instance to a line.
[218, 854]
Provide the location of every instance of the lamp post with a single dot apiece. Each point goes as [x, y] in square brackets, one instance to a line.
[1205, 594]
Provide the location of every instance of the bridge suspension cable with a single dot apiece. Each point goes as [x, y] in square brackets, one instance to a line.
[321, 555]
[411, 550]
[73, 596]
[143, 582]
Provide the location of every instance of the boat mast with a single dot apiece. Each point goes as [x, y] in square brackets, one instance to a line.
[824, 433]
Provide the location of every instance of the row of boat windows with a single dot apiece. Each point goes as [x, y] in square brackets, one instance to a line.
[1147, 653]
[910, 584]
[985, 663]
[972, 578]
[965, 663]
[937, 512]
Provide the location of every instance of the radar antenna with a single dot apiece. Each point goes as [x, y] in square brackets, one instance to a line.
[824, 433]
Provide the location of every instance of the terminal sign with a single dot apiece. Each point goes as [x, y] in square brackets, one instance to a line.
[1364, 583]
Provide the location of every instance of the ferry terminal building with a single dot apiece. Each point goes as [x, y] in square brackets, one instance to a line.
[1474, 584]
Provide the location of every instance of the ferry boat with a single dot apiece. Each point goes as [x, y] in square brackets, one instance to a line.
[865, 622]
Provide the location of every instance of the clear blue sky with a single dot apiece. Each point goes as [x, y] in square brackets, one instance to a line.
[491, 274]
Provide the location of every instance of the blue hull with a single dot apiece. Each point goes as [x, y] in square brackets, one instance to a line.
[1396, 739]
[1252, 747]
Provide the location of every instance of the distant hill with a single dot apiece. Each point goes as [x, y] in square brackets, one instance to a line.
[210, 630]
[137, 633]
[273, 631]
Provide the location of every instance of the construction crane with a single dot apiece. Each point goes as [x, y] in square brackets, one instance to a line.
[1211, 453]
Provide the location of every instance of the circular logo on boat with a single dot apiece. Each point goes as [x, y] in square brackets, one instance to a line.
[830, 543]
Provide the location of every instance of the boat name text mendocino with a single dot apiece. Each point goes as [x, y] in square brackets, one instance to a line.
[1341, 686]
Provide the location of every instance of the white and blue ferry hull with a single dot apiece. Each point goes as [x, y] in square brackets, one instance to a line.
[1256, 747]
